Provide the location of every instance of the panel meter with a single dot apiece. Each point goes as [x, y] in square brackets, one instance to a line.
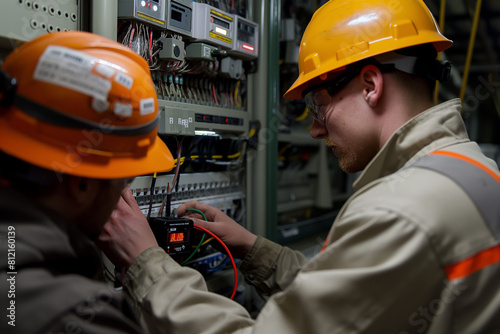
[149, 11]
[213, 25]
[246, 42]
[180, 17]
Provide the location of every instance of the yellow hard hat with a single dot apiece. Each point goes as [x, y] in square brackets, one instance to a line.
[343, 32]
[80, 104]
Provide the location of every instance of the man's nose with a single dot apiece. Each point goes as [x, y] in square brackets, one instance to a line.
[318, 130]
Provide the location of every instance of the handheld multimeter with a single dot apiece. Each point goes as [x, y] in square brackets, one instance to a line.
[173, 234]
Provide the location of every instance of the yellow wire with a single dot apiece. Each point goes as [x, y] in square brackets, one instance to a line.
[442, 11]
[303, 116]
[470, 50]
[283, 149]
[182, 161]
[238, 101]
[236, 155]
[207, 241]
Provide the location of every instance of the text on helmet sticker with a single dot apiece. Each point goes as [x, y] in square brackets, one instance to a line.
[71, 69]
[124, 80]
[147, 106]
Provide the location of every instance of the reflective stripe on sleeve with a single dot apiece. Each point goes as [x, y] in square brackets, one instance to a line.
[482, 185]
[474, 263]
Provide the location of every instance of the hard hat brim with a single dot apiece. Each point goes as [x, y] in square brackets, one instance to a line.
[71, 161]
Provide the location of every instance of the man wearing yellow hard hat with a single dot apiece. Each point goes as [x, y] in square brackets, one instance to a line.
[415, 250]
[78, 121]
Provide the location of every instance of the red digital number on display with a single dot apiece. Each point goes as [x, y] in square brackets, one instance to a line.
[177, 237]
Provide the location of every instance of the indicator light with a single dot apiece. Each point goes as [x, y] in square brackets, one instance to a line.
[221, 31]
[248, 47]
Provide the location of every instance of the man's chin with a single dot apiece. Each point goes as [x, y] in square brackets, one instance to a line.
[348, 163]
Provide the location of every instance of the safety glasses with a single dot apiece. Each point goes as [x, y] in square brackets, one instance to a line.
[318, 99]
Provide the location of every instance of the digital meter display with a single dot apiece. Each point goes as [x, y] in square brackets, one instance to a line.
[220, 22]
[175, 15]
[177, 237]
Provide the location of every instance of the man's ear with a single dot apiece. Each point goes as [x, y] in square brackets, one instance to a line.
[373, 84]
[82, 190]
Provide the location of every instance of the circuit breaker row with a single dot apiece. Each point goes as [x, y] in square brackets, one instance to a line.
[217, 92]
[219, 189]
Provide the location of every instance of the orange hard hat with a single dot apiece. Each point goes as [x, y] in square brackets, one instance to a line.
[81, 104]
[343, 32]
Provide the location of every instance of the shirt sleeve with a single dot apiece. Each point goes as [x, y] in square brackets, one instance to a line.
[271, 267]
[175, 299]
[377, 273]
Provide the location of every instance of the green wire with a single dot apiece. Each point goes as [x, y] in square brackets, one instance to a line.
[199, 211]
[194, 252]
[202, 238]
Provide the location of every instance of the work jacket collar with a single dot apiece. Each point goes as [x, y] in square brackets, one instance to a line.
[430, 130]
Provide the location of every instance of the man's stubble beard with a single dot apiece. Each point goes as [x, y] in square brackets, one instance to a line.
[348, 158]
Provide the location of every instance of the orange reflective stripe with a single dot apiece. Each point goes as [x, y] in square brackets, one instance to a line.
[472, 264]
[324, 245]
[469, 160]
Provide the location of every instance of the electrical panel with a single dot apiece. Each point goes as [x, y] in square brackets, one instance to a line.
[198, 55]
[149, 11]
[24, 20]
[213, 25]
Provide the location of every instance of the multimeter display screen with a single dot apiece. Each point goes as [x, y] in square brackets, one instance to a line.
[177, 237]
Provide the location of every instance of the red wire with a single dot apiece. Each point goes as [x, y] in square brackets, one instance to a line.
[228, 253]
[151, 47]
[131, 38]
[213, 91]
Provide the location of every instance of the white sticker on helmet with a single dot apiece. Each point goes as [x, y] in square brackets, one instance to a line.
[147, 106]
[123, 109]
[71, 69]
[105, 70]
[124, 80]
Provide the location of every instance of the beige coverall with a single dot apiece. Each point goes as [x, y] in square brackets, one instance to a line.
[390, 265]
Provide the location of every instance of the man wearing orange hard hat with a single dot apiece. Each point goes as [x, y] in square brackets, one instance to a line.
[415, 250]
[78, 121]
